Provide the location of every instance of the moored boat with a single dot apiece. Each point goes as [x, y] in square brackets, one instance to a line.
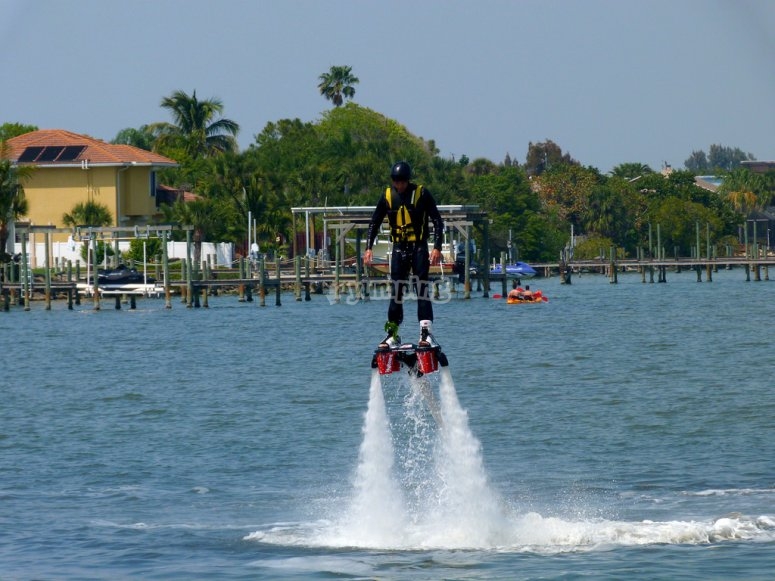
[517, 270]
[122, 275]
[121, 280]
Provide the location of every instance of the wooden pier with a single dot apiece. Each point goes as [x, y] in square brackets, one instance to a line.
[758, 268]
[305, 275]
[305, 278]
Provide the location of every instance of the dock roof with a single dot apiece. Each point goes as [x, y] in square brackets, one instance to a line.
[361, 215]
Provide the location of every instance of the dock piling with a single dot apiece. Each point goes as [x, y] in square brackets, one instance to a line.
[261, 282]
[47, 238]
[95, 288]
[166, 269]
[277, 289]
[297, 273]
[307, 284]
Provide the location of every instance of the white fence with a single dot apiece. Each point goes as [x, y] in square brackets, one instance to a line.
[61, 252]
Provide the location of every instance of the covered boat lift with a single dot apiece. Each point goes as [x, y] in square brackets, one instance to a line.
[344, 219]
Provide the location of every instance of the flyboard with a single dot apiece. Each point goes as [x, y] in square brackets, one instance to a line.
[419, 358]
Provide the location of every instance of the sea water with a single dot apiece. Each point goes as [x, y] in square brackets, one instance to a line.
[616, 431]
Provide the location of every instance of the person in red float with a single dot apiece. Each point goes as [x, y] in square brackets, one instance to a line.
[515, 294]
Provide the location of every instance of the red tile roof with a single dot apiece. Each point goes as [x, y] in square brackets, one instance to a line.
[170, 195]
[96, 152]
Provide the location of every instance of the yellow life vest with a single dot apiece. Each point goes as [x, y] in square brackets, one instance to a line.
[402, 229]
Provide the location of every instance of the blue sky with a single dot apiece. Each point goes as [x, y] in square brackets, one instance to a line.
[610, 81]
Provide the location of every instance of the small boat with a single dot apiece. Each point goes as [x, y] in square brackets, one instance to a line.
[122, 275]
[536, 298]
[519, 295]
[517, 270]
[121, 280]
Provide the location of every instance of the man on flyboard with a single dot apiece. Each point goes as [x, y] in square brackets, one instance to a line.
[409, 208]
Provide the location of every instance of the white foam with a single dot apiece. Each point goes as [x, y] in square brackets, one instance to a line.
[376, 514]
[467, 512]
[441, 496]
[540, 533]
[435, 494]
[732, 492]
[534, 533]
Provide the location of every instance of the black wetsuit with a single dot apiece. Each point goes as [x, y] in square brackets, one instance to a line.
[410, 247]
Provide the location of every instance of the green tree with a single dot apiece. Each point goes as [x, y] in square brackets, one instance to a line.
[103, 251]
[545, 233]
[505, 194]
[481, 166]
[337, 84]
[620, 209]
[678, 219]
[651, 199]
[545, 155]
[209, 217]
[746, 191]
[91, 214]
[697, 162]
[719, 158]
[631, 171]
[285, 146]
[344, 159]
[592, 247]
[143, 137]
[357, 146]
[13, 203]
[606, 213]
[448, 179]
[152, 248]
[88, 214]
[568, 188]
[727, 158]
[9, 130]
[196, 130]
[240, 184]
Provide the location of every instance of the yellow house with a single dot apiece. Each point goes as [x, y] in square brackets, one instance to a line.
[72, 168]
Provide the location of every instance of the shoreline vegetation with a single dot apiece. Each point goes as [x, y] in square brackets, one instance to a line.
[549, 207]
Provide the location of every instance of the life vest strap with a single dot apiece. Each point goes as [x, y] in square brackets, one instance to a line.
[402, 229]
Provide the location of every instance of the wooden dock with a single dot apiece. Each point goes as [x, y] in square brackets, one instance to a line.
[758, 268]
[194, 289]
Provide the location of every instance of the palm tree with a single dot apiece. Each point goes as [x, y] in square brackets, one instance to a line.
[746, 191]
[13, 204]
[142, 137]
[337, 84]
[196, 130]
[631, 170]
[209, 217]
[88, 214]
[91, 214]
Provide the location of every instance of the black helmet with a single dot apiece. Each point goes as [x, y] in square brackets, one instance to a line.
[401, 171]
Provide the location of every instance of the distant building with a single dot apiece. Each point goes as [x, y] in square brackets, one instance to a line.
[765, 219]
[758, 166]
[72, 168]
[169, 195]
[710, 183]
